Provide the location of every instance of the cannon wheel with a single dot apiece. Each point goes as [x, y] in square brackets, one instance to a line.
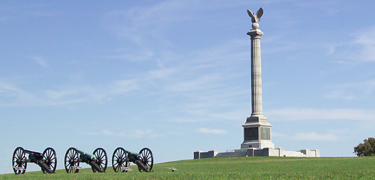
[19, 161]
[119, 159]
[71, 160]
[49, 157]
[146, 158]
[101, 159]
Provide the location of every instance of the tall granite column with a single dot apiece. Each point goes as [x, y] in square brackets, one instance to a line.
[256, 73]
[257, 129]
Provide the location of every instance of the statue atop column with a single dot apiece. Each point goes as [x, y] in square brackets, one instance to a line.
[255, 18]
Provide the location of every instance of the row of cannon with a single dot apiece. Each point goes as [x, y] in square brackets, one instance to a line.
[98, 160]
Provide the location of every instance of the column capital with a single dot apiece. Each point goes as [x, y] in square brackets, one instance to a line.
[255, 33]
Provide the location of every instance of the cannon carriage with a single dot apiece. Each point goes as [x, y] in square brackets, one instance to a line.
[97, 160]
[121, 159]
[46, 160]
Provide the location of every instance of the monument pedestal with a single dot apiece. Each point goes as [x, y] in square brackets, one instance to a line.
[257, 133]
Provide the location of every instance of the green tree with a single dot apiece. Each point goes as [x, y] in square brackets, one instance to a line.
[367, 148]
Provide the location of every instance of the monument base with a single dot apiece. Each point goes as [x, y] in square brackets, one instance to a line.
[275, 152]
[257, 133]
[257, 144]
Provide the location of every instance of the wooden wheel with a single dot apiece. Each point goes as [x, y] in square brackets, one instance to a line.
[101, 159]
[146, 158]
[19, 161]
[50, 159]
[119, 159]
[72, 160]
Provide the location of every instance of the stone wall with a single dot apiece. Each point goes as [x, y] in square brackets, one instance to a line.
[278, 152]
[208, 154]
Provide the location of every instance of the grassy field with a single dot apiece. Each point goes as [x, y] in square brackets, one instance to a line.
[234, 168]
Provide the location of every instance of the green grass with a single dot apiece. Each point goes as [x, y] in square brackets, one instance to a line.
[234, 168]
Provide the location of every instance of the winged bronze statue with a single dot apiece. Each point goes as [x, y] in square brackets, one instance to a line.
[255, 18]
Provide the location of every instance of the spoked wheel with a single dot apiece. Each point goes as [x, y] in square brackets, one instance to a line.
[50, 159]
[72, 160]
[119, 159]
[146, 158]
[19, 161]
[101, 159]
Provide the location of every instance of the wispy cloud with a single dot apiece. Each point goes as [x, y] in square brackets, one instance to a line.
[8, 87]
[315, 137]
[12, 95]
[359, 50]
[349, 91]
[107, 132]
[366, 43]
[41, 61]
[201, 74]
[299, 114]
[340, 94]
[124, 86]
[138, 24]
[308, 136]
[211, 131]
[277, 134]
[17, 11]
[135, 54]
[128, 134]
[140, 134]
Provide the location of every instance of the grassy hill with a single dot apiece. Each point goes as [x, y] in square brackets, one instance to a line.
[234, 168]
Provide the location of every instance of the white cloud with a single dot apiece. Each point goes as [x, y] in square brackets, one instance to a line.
[58, 94]
[200, 75]
[276, 134]
[194, 84]
[140, 24]
[351, 91]
[41, 61]
[104, 132]
[128, 134]
[212, 131]
[141, 54]
[8, 87]
[124, 86]
[340, 94]
[315, 137]
[107, 132]
[311, 136]
[139, 134]
[161, 73]
[187, 119]
[366, 41]
[296, 114]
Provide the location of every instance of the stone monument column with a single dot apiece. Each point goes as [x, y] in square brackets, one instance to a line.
[256, 73]
[257, 129]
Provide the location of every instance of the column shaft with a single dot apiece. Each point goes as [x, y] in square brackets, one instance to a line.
[256, 76]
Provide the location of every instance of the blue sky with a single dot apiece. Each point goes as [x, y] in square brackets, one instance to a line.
[174, 76]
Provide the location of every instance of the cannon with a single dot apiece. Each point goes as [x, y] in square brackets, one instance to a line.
[97, 160]
[121, 159]
[46, 160]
